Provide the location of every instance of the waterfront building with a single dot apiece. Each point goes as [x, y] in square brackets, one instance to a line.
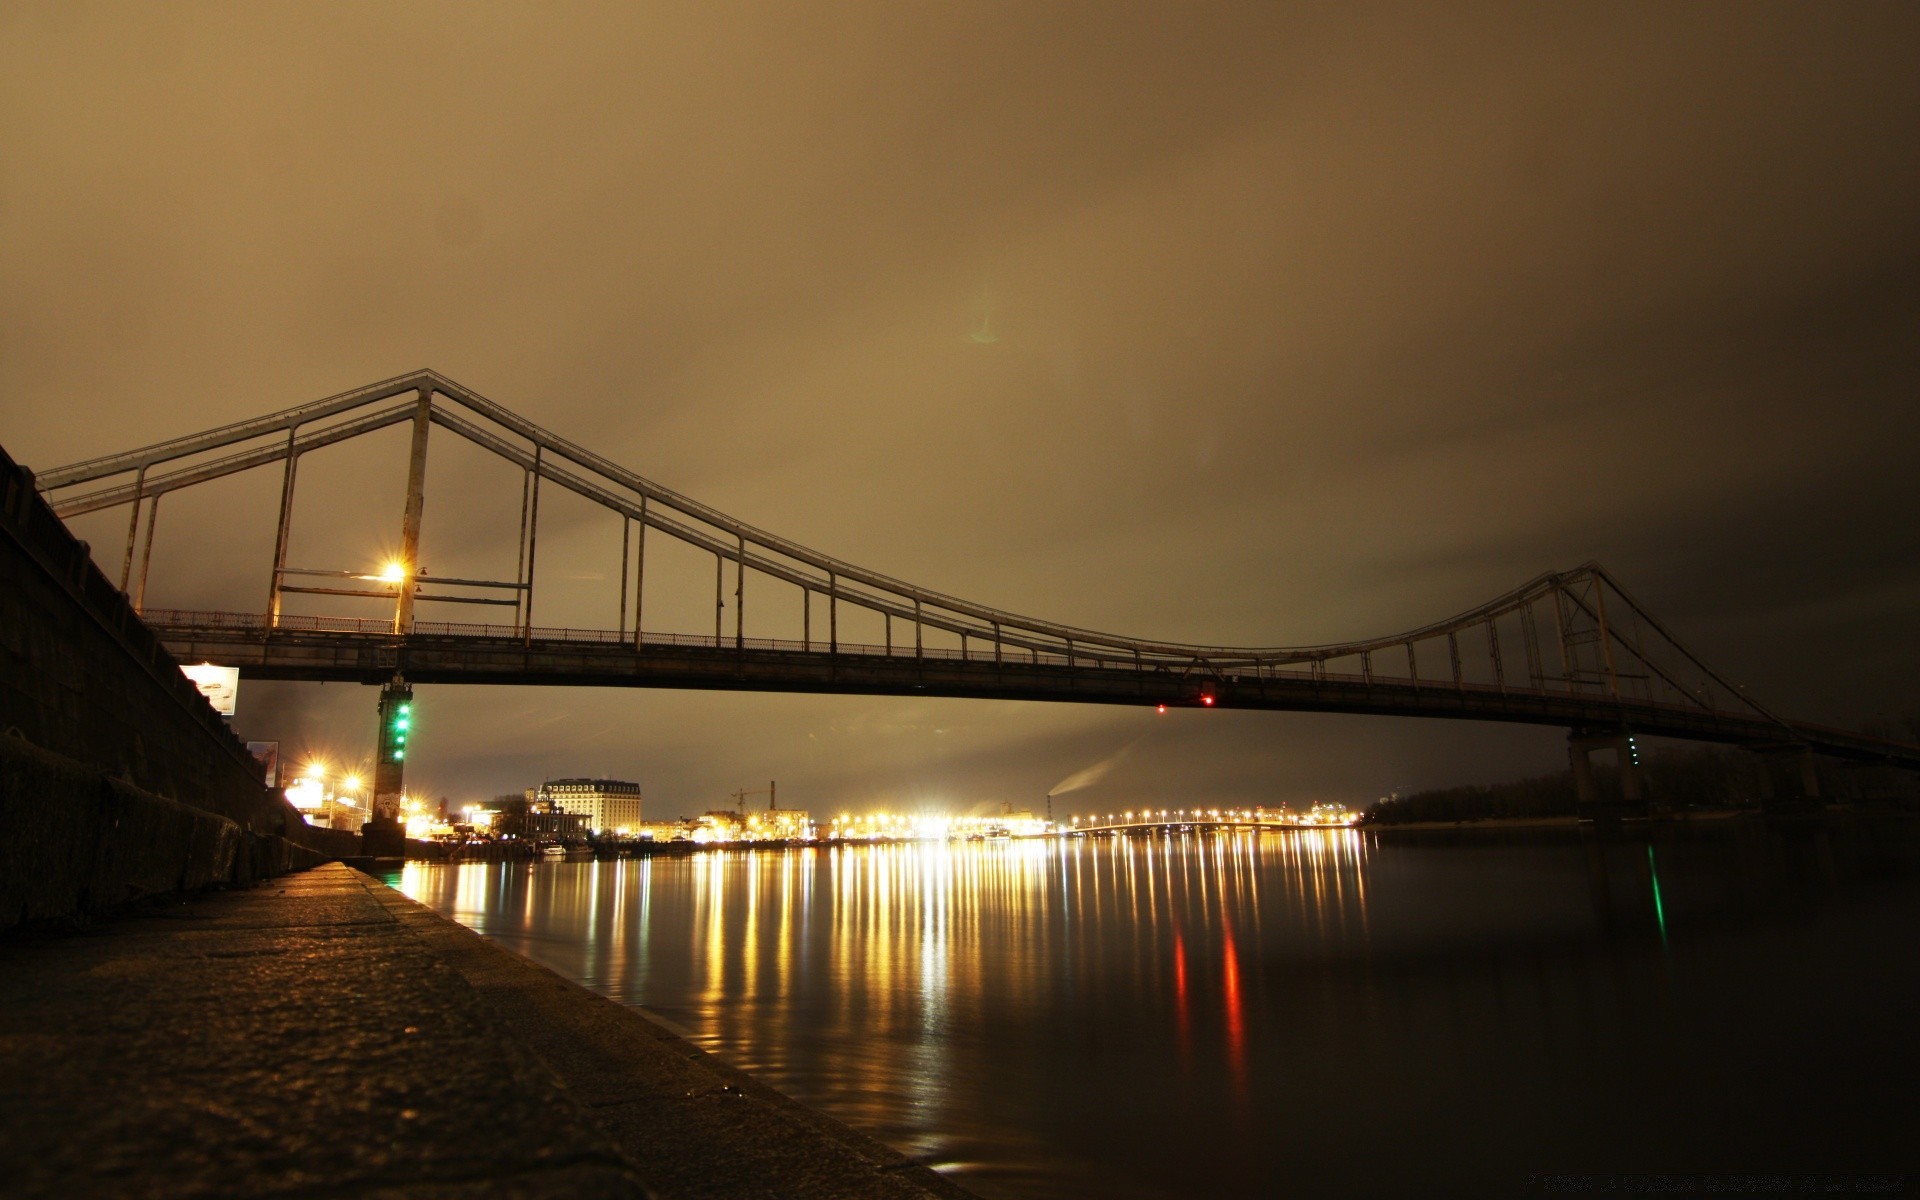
[662, 831]
[779, 825]
[760, 825]
[556, 822]
[608, 805]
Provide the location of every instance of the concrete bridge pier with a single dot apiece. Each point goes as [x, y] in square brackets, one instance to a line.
[1790, 778]
[1605, 811]
[383, 835]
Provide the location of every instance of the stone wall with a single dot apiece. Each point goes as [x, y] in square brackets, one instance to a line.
[117, 779]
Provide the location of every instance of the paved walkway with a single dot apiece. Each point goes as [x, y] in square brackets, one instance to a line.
[321, 1035]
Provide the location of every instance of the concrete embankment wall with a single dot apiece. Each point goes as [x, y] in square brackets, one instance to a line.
[117, 779]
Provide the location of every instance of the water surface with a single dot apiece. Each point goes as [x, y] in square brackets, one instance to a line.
[1252, 1014]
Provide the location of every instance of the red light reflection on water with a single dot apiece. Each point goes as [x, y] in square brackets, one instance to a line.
[1182, 1017]
[1236, 1023]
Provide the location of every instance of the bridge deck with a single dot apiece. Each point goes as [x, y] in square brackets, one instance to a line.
[367, 652]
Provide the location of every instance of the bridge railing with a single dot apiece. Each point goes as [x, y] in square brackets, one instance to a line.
[179, 623]
[255, 623]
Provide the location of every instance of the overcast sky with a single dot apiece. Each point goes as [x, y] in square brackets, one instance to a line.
[1245, 324]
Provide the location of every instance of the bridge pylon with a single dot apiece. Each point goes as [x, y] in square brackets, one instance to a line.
[1789, 776]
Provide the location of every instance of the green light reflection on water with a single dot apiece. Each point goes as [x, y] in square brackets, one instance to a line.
[1659, 909]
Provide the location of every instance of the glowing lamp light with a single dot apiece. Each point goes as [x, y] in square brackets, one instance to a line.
[1163, 710]
[394, 572]
[1207, 700]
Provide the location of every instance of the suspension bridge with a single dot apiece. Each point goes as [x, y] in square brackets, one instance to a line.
[1568, 648]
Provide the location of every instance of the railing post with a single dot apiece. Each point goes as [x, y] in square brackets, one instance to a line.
[410, 520]
[533, 541]
[1606, 642]
[285, 526]
[1560, 625]
[1530, 630]
[146, 556]
[626, 524]
[640, 577]
[133, 527]
[520, 558]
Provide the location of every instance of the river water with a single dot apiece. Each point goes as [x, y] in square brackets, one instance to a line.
[1281, 1013]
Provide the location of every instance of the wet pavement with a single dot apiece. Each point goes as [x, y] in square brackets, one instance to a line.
[321, 1035]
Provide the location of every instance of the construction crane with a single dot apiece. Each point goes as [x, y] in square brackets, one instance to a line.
[740, 797]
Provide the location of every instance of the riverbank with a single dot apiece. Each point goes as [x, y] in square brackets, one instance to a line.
[323, 1034]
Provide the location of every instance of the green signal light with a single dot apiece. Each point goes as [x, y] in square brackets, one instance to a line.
[398, 755]
[402, 723]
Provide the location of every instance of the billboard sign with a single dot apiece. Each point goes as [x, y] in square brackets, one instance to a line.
[220, 685]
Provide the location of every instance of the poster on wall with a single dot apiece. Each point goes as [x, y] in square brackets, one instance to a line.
[220, 685]
[267, 754]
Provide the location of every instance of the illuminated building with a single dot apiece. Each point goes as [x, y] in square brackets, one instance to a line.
[553, 822]
[779, 824]
[720, 825]
[606, 804]
[659, 831]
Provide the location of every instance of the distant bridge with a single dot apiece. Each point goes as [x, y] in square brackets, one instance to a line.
[1176, 822]
[1570, 648]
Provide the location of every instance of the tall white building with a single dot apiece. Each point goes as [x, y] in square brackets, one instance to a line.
[607, 804]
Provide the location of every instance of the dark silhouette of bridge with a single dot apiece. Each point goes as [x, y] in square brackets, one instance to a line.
[1569, 648]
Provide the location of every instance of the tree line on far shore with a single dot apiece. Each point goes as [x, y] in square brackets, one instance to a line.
[1681, 778]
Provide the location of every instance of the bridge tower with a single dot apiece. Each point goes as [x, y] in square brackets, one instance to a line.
[1789, 776]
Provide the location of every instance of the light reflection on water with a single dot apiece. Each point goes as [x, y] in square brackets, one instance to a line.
[1235, 1013]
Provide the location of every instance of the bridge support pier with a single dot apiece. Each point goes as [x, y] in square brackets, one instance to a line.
[1789, 776]
[384, 835]
[1581, 743]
